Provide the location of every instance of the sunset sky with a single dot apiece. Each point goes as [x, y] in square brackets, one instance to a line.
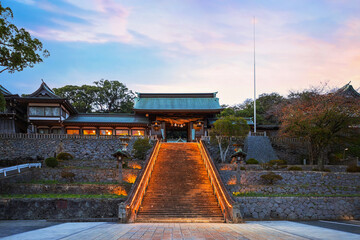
[192, 45]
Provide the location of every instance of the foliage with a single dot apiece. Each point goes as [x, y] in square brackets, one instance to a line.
[278, 162]
[68, 175]
[255, 194]
[322, 119]
[353, 168]
[242, 168]
[105, 96]
[64, 156]
[18, 49]
[326, 170]
[2, 102]
[271, 178]
[295, 168]
[141, 146]
[265, 108]
[252, 161]
[225, 130]
[60, 195]
[51, 162]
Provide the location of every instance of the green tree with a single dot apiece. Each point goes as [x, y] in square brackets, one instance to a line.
[113, 96]
[2, 103]
[321, 119]
[225, 129]
[81, 97]
[105, 96]
[18, 49]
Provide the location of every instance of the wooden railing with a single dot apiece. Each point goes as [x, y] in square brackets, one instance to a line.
[129, 209]
[61, 136]
[229, 208]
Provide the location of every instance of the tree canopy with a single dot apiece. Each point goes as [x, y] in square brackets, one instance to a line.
[319, 118]
[225, 129]
[18, 49]
[104, 96]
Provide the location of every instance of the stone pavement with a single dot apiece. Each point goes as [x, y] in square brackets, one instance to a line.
[265, 230]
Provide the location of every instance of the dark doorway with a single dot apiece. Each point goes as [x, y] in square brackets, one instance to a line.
[176, 133]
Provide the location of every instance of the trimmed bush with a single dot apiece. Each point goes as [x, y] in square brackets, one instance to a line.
[68, 175]
[51, 162]
[353, 168]
[295, 168]
[141, 146]
[271, 178]
[326, 170]
[64, 156]
[252, 161]
[242, 168]
[278, 162]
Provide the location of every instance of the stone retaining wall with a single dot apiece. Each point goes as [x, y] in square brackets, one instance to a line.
[93, 149]
[257, 167]
[296, 178]
[300, 208]
[28, 188]
[14, 209]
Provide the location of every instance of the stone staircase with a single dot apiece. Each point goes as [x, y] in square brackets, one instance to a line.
[179, 189]
[260, 148]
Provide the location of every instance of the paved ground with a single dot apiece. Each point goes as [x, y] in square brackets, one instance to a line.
[264, 230]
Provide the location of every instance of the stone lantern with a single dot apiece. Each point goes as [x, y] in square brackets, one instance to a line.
[240, 159]
[120, 155]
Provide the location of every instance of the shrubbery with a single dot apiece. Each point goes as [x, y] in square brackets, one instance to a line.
[51, 162]
[278, 162]
[271, 177]
[141, 146]
[353, 168]
[295, 168]
[252, 161]
[68, 175]
[64, 156]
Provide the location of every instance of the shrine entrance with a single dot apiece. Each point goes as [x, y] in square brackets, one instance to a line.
[176, 132]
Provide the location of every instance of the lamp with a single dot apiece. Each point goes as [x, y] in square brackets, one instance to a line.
[156, 125]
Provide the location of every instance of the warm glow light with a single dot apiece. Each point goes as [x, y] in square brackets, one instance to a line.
[119, 191]
[130, 178]
[89, 132]
[232, 181]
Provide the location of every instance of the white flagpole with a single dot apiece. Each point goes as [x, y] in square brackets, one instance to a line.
[254, 82]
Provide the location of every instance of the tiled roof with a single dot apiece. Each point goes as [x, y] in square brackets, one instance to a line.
[43, 92]
[180, 101]
[348, 91]
[107, 118]
[4, 91]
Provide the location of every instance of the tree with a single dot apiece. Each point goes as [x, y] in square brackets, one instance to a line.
[321, 119]
[18, 49]
[81, 97]
[113, 96]
[2, 103]
[105, 96]
[265, 108]
[225, 129]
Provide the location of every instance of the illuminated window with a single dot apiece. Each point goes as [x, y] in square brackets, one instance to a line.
[43, 130]
[73, 131]
[137, 132]
[122, 132]
[106, 132]
[89, 132]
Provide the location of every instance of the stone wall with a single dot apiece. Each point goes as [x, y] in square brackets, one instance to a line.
[13, 209]
[300, 208]
[296, 178]
[88, 149]
[258, 167]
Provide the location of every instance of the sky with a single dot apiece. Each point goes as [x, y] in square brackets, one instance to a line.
[192, 45]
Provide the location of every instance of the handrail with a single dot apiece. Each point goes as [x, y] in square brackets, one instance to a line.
[229, 208]
[19, 167]
[129, 209]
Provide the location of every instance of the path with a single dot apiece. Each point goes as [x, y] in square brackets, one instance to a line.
[262, 230]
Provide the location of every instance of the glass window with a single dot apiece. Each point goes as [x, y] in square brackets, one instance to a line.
[36, 111]
[43, 130]
[138, 132]
[106, 132]
[89, 132]
[52, 111]
[56, 131]
[122, 132]
[73, 131]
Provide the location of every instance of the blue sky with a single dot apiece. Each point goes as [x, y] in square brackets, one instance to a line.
[192, 45]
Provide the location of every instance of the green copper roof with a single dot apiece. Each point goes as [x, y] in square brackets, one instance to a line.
[107, 118]
[180, 101]
[348, 91]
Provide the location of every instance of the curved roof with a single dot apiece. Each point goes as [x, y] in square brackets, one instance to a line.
[348, 91]
[107, 118]
[177, 101]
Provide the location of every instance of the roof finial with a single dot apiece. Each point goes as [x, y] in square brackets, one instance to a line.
[42, 80]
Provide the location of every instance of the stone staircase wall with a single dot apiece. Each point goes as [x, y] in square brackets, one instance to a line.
[259, 147]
